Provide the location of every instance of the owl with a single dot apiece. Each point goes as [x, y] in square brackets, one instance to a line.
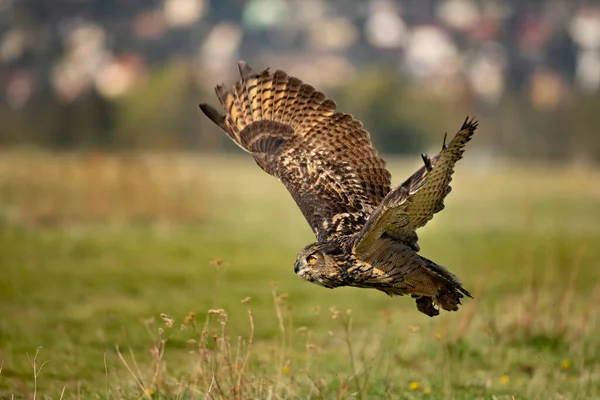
[364, 229]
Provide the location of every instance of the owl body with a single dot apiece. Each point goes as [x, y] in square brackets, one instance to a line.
[365, 230]
[396, 269]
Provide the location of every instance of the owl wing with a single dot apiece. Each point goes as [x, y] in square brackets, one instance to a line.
[413, 204]
[324, 158]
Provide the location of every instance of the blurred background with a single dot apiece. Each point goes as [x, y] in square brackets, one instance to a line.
[119, 200]
[97, 78]
[128, 74]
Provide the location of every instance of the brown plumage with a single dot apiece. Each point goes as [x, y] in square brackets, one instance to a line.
[365, 230]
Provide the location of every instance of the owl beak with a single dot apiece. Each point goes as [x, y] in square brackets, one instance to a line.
[296, 267]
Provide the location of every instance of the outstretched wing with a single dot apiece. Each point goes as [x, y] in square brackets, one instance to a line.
[412, 204]
[323, 157]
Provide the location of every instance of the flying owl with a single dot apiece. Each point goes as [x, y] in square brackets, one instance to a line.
[365, 230]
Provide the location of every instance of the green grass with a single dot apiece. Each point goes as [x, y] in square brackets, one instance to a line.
[88, 298]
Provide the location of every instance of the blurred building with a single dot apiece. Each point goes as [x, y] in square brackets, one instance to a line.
[545, 51]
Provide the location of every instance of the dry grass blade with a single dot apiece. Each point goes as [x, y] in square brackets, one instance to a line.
[106, 375]
[137, 378]
[36, 370]
[534, 247]
[248, 351]
[278, 300]
[208, 392]
[347, 323]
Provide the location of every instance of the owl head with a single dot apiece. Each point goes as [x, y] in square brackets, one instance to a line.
[321, 264]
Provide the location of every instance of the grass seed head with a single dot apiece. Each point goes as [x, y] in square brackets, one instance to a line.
[190, 317]
[168, 321]
[334, 312]
[217, 263]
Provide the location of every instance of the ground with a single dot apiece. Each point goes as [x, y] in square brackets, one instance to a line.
[209, 307]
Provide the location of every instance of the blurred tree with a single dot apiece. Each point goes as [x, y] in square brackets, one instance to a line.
[158, 113]
[400, 116]
[403, 117]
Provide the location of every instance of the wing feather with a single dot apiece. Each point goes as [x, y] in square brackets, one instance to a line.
[412, 204]
[430, 199]
[324, 158]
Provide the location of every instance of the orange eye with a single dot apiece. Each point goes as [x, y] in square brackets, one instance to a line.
[311, 259]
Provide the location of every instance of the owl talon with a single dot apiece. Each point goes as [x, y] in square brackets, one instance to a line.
[427, 161]
[365, 230]
[426, 306]
[449, 300]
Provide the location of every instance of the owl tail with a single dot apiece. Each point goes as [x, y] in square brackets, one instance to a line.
[448, 290]
[267, 102]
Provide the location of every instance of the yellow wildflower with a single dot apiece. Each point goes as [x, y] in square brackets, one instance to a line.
[286, 370]
[504, 379]
[565, 364]
[414, 385]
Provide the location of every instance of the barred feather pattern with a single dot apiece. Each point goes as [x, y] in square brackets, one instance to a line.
[365, 231]
[414, 203]
[323, 157]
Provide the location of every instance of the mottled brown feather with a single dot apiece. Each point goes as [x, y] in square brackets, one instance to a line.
[324, 158]
[365, 231]
[413, 204]
[429, 200]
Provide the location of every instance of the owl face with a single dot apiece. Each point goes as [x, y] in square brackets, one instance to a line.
[317, 265]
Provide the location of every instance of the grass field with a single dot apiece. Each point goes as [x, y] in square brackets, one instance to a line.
[178, 283]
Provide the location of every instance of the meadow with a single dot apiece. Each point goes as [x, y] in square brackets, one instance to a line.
[171, 277]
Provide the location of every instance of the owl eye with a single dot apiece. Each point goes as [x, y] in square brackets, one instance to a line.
[311, 259]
